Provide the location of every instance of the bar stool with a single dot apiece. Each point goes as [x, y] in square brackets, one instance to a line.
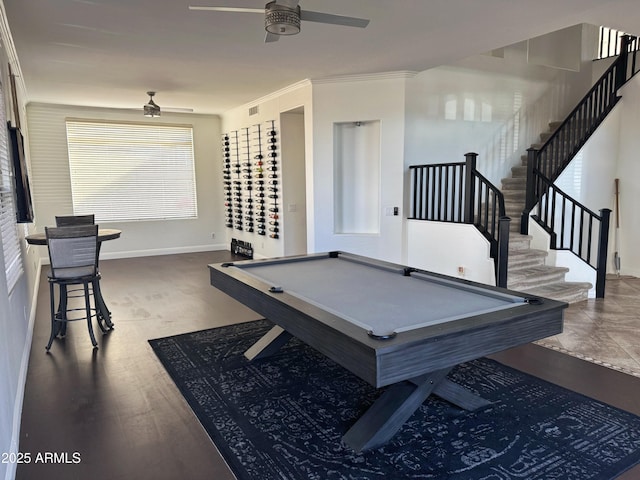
[104, 315]
[73, 258]
[73, 220]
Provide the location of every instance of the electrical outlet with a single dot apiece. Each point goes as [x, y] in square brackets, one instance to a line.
[461, 271]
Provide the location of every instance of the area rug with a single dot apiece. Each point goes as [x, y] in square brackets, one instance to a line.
[283, 418]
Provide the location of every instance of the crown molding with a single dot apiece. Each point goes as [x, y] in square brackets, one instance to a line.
[278, 93]
[366, 77]
[10, 49]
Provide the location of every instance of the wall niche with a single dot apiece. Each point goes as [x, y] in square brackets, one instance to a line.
[356, 177]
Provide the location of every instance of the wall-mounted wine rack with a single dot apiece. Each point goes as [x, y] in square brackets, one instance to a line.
[251, 179]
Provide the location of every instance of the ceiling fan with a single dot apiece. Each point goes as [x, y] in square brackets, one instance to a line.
[282, 17]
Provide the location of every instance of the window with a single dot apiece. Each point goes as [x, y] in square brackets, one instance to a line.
[8, 229]
[131, 171]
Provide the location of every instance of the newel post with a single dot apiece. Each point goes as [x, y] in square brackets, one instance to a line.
[530, 194]
[503, 252]
[622, 62]
[469, 187]
[603, 244]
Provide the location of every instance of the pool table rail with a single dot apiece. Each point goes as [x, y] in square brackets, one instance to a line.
[408, 354]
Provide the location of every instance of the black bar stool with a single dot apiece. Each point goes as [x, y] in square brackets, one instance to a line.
[73, 257]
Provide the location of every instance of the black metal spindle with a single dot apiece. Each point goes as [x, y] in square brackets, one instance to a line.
[589, 238]
[562, 220]
[461, 195]
[552, 213]
[446, 194]
[494, 214]
[418, 188]
[416, 185]
[581, 230]
[432, 194]
[573, 225]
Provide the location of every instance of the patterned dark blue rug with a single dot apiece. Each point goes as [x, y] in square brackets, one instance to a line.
[283, 418]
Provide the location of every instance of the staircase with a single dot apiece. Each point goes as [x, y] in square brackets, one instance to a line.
[527, 271]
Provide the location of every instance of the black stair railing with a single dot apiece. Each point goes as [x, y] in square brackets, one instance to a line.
[573, 227]
[458, 193]
[545, 164]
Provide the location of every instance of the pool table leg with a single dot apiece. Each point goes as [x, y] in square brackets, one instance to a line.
[268, 344]
[391, 410]
[459, 396]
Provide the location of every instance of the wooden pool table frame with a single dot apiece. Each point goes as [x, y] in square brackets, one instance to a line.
[414, 363]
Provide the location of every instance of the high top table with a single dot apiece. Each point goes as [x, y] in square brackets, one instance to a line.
[104, 234]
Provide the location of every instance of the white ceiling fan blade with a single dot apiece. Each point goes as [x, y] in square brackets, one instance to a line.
[227, 9]
[320, 17]
[271, 37]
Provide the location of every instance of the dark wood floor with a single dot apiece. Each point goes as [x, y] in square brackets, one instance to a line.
[118, 409]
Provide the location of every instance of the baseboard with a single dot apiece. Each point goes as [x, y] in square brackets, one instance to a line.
[22, 378]
[157, 251]
[163, 251]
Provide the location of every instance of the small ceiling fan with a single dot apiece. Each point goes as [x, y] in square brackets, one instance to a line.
[282, 17]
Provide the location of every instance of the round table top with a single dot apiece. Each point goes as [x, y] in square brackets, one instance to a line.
[104, 234]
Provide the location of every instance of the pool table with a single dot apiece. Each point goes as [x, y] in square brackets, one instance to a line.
[393, 326]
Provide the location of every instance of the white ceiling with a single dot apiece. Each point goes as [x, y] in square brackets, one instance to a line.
[108, 53]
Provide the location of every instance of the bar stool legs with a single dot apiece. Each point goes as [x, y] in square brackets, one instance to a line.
[87, 305]
[59, 317]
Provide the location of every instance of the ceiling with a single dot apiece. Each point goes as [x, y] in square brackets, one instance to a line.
[109, 53]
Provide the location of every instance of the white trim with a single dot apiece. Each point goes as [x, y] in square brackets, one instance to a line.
[155, 252]
[10, 48]
[366, 77]
[274, 95]
[163, 251]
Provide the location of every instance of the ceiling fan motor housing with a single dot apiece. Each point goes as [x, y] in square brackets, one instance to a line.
[281, 20]
[151, 109]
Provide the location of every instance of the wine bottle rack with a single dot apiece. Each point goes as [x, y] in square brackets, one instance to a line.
[251, 179]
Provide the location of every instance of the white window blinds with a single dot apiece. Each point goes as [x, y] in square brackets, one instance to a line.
[8, 224]
[130, 171]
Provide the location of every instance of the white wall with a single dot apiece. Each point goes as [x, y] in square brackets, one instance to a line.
[496, 107]
[452, 111]
[16, 314]
[369, 98]
[628, 172]
[589, 179]
[52, 187]
[293, 217]
[444, 247]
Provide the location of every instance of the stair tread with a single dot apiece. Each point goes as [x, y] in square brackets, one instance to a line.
[513, 193]
[529, 252]
[540, 270]
[570, 292]
[513, 180]
[525, 259]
